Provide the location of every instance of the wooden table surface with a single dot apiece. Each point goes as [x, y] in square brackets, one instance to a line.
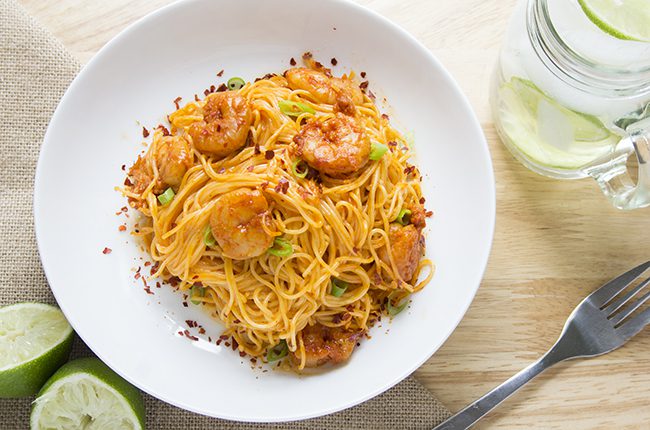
[555, 240]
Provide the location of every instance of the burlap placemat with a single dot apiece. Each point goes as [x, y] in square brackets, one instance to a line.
[35, 70]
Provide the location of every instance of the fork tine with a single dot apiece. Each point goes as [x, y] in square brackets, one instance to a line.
[626, 298]
[627, 312]
[634, 325]
[605, 293]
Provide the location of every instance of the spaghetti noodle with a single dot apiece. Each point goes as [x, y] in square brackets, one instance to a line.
[289, 209]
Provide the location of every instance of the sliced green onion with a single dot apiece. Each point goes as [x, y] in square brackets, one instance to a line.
[278, 352]
[338, 287]
[404, 217]
[236, 83]
[196, 291]
[296, 172]
[291, 108]
[208, 238]
[281, 248]
[395, 309]
[377, 150]
[167, 196]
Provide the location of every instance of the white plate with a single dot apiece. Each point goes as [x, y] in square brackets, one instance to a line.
[177, 51]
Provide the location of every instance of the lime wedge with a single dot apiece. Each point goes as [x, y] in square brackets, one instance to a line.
[86, 394]
[624, 19]
[35, 340]
[547, 132]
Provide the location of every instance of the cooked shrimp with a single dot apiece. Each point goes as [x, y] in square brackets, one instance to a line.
[337, 146]
[326, 344]
[227, 118]
[407, 244]
[237, 223]
[343, 93]
[173, 158]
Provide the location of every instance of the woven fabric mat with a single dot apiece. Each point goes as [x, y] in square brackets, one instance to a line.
[35, 70]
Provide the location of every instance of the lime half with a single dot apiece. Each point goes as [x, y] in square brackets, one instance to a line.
[86, 394]
[548, 133]
[35, 340]
[624, 19]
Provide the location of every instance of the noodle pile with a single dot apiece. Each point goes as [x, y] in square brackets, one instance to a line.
[335, 226]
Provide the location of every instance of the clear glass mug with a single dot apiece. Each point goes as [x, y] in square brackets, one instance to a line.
[570, 101]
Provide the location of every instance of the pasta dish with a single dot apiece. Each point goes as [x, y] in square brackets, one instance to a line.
[289, 208]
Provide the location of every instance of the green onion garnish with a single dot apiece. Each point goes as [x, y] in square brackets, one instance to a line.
[299, 172]
[291, 108]
[196, 291]
[395, 309]
[338, 287]
[404, 217]
[281, 248]
[377, 150]
[208, 238]
[236, 83]
[167, 196]
[278, 352]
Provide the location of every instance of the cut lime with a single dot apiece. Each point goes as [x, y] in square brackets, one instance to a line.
[624, 19]
[86, 394]
[547, 132]
[35, 340]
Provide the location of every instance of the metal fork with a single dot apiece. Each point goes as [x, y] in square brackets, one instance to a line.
[598, 325]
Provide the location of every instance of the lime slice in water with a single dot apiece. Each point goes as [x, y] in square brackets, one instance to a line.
[624, 19]
[547, 132]
[35, 340]
[87, 394]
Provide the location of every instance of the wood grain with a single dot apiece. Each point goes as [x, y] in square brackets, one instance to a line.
[555, 240]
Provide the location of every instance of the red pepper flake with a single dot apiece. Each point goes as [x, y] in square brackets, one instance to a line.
[212, 88]
[145, 132]
[209, 339]
[227, 344]
[250, 168]
[363, 74]
[224, 337]
[196, 98]
[408, 170]
[174, 280]
[384, 116]
[124, 167]
[392, 144]
[372, 95]
[107, 251]
[222, 88]
[422, 200]
[191, 323]
[180, 332]
[177, 101]
[122, 228]
[236, 321]
[137, 276]
[147, 263]
[185, 304]
[292, 61]
[269, 154]
[428, 214]
[363, 85]
[157, 284]
[202, 331]
[334, 61]
[124, 208]
[218, 342]
[154, 269]
[189, 335]
[127, 182]
[257, 150]
[242, 354]
[164, 130]
[220, 74]
[147, 289]
[282, 187]
[355, 249]
[234, 344]
[337, 318]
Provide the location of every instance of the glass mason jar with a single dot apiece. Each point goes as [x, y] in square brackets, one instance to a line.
[571, 101]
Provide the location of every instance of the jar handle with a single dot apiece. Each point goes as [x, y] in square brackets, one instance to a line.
[613, 176]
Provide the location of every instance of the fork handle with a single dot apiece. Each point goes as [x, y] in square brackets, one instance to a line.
[468, 416]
